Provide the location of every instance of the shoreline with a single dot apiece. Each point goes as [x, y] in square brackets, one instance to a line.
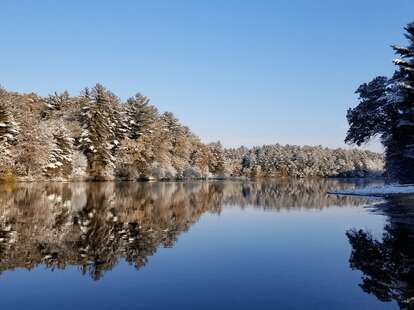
[386, 191]
[147, 180]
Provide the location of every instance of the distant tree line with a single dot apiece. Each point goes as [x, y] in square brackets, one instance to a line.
[302, 161]
[97, 136]
[386, 109]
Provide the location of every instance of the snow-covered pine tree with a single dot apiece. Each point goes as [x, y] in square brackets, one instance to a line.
[174, 129]
[118, 121]
[180, 139]
[217, 163]
[199, 159]
[60, 157]
[402, 140]
[8, 128]
[370, 117]
[141, 116]
[386, 109]
[8, 132]
[98, 135]
[164, 140]
[378, 115]
[143, 143]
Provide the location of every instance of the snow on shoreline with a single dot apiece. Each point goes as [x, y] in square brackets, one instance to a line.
[378, 191]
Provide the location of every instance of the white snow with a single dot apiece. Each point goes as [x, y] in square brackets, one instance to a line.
[405, 85]
[378, 191]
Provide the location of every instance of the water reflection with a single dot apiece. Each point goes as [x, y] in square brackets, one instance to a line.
[93, 225]
[387, 262]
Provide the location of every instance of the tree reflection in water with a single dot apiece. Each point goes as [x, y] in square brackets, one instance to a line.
[388, 264]
[93, 225]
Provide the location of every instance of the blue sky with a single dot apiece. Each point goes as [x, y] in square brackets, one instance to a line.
[243, 72]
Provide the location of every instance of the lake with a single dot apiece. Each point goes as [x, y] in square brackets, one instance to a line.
[275, 244]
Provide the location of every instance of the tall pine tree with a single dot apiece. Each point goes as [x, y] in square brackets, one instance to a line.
[386, 109]
[97, 137]
[402, 139]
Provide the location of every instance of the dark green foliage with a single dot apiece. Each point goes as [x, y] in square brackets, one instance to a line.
[387, 262]
[386, 109]
[372, 116]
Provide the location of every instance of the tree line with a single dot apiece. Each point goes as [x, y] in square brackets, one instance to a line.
[96, 136]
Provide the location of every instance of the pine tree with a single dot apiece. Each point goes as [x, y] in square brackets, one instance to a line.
[8, 128]
[400, 155]
[179, 152]
[370, 117]
[217, 164]
[8, 133]
[147, 142]
[97, 137]
[141, 116]
[60, 157]
[386, 109]
[200, 159]
[173, 129]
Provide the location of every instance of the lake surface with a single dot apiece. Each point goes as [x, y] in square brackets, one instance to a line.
[202, 245]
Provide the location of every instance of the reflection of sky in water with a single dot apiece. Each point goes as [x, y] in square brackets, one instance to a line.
[230, 258]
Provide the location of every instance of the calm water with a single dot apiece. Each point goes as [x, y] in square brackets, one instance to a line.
[201, 245]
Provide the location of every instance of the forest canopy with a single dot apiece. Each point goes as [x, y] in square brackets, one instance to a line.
[96, 136]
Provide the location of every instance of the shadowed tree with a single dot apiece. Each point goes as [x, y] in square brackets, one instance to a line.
[386, 109]
[387, 263]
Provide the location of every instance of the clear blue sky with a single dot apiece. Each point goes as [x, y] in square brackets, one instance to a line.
[243, 72]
